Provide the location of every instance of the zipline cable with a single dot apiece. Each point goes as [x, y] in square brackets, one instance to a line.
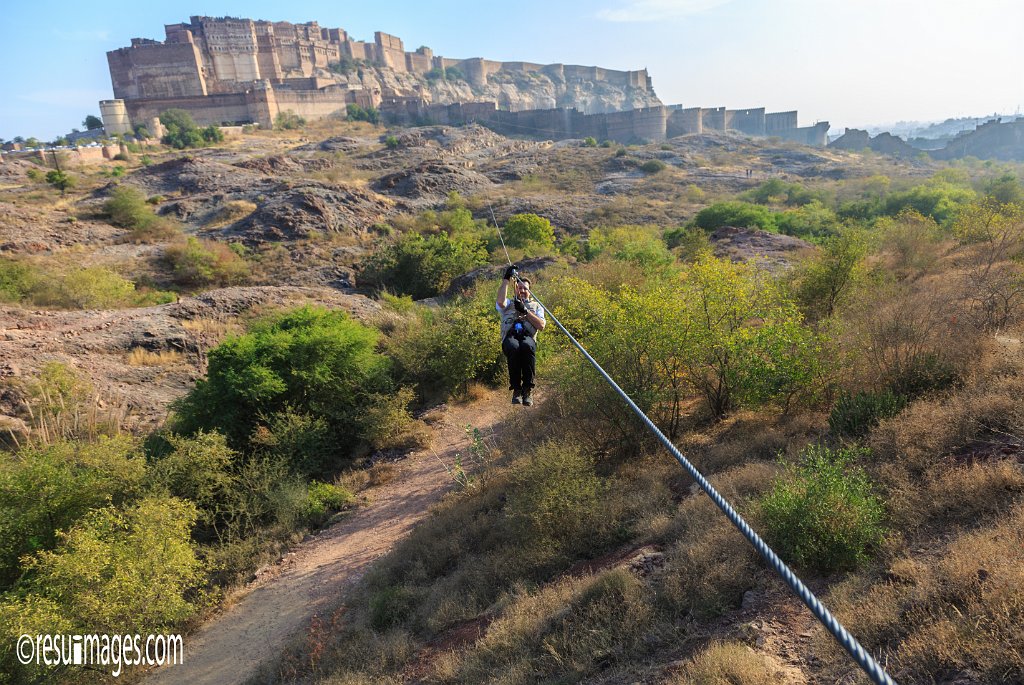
[873, 669]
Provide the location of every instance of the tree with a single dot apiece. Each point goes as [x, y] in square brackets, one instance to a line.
[182, 131]
[824, 280]
[523, 230]
[92, 122]
[60, 180]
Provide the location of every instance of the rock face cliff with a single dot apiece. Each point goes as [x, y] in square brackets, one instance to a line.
[513, 91]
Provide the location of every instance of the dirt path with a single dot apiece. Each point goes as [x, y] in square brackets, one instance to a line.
[230, 648]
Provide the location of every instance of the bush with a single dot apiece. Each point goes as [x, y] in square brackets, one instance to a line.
[525, 230]
[200, 469]
[824, 281]
[557, 494]
[854, 415]
[812, 221]
[423, 266]
[777, 191]
[739, 214]
[288, 121]
[441, 350]
[640, 245]
[17, 280]
[590, 141]
[130, 571]
[181, 130]
[653, 166]
[60, 180]
[387, 417]
[199, 263]
[391, 143]
[357, 113]
[46, 489]
[325, 497]
[823, 515]
[310, 361]
[91, 287]
[127, 208]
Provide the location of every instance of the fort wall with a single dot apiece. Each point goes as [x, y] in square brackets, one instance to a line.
[649, 124]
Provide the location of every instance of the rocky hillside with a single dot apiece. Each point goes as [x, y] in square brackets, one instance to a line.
[511, 90]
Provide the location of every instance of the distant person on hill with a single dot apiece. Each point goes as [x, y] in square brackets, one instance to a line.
[522, 318]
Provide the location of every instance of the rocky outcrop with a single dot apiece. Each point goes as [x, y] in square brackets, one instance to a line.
[773, 250]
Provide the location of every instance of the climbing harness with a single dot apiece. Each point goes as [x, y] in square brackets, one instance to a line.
[869, 665]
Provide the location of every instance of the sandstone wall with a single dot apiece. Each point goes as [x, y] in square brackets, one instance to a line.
[156, 70]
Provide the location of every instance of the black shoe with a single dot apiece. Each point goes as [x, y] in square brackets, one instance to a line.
[515, 398]
[527, 400]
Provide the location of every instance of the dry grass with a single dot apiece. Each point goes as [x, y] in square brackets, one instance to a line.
[217, 329]
[139, 356]
[709, 565]
[229, 213]
[728, 663]
[956, 612]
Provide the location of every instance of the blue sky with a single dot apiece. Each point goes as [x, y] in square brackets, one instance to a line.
[851, 63]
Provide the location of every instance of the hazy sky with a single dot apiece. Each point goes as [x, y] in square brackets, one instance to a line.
[850, 63]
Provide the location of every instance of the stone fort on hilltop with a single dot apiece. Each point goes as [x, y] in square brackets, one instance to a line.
[235, 70]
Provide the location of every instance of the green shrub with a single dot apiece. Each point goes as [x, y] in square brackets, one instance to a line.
[92, 287]
[310, 361]
[46, 489]
[60, 180]
[127, 208]
[387, 416]
[288, 121]
[525, 230]
[688, 242]
[131, 571]
[926, 372]
[640, 245]
[390, 607]
[653, 166]
[823, 515]
[182, 132]
[357, 113]
[739, 214]
[590, 141]
[200, 469]
[777, 191]
[441, 350]
[199, 263]
[824, 281]
[300, 440]
[811, 221]
[17, 280]
[325, 497]
[423, 267]
[391, 143]
[854, 415]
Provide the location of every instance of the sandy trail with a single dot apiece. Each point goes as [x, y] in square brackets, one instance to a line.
[230, 648]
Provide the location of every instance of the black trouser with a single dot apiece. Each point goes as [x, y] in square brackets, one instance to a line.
[522, 361]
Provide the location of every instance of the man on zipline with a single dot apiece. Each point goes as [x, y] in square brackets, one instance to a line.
[522, 318]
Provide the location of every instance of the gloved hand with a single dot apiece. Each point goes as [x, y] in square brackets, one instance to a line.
[510, 271]
[520, 307]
